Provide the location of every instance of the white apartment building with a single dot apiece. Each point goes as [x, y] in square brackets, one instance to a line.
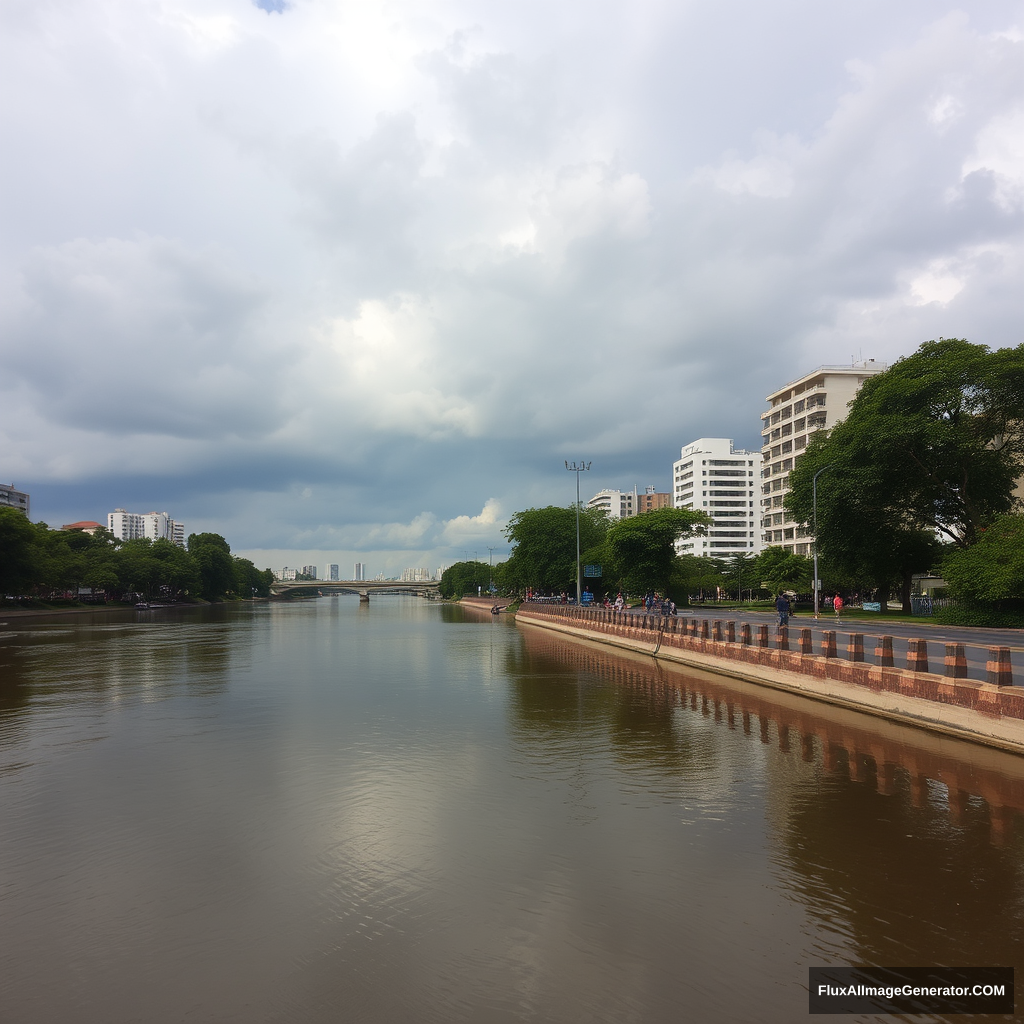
[285, 574]
[615, 504]
[713, 476]
[310, 571]
[415, 576]
[152, 525]
[814, 402]
[360, 571]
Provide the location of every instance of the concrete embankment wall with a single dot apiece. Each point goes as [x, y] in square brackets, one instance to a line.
[984, 712]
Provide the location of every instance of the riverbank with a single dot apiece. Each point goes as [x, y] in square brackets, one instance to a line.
[982, 712]
[104, 609]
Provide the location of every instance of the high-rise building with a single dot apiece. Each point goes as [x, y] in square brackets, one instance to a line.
[814, 402]
[614, 504]
[652, 499]
[152, 525]
[332, 572]
[13, 499]
[310, 571]
[415, 576]
[713, 476]
[360, 571]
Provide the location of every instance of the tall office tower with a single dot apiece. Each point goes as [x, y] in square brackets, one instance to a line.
[332, 572]
[614, 504]
[309, 570]
[814, 402]
[360, 571]
[713, 476]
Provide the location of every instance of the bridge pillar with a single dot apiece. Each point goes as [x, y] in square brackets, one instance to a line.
[364, 595]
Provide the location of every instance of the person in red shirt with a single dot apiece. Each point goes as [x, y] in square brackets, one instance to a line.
[837, 603]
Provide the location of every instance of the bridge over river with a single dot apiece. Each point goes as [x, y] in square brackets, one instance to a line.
[361, 587]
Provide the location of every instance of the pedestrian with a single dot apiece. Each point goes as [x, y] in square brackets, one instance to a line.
[837, 603]
[782, 607]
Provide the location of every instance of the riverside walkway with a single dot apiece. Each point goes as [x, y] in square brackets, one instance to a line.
[977, 641]
[833, 667]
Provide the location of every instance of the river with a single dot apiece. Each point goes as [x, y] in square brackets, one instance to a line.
[323, 811]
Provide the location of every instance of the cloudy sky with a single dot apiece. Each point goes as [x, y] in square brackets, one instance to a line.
[351, 280]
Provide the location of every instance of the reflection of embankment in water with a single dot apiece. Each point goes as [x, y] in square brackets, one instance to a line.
[872, 750]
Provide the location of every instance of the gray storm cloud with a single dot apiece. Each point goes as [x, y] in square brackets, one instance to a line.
[353, 278]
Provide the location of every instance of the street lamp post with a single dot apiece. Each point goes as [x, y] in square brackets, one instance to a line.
[578, 468]
[814, 500]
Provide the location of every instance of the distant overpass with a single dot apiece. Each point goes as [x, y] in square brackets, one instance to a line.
[361, 587]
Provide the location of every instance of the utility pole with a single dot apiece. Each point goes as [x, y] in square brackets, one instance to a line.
[814, 499]
[578, 468]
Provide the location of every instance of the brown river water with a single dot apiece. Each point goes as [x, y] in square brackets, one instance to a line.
[323, 811]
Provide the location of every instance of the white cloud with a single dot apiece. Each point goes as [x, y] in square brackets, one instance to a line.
[999, 148]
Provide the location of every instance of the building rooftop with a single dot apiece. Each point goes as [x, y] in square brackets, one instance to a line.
[864, 366]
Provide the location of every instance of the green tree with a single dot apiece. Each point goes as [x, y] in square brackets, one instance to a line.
[212, 555]
[176, 569]
[642, 547]
[544, 546]
[464, 578]
[739, 571]
[779, 570]
[138, 568]
[697, 576]
[932, 445]
[20, 553]
[250, 581]
[992, 570]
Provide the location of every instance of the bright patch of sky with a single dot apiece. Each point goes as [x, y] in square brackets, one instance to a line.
[351, 283]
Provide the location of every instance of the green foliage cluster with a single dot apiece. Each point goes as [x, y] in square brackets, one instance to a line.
[40, 562]
[637, 555]
[991, 570]
[930, 448]
[544, 547]
[464, 578]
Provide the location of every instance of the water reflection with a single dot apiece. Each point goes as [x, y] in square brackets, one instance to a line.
[322, 810]
[904, 847]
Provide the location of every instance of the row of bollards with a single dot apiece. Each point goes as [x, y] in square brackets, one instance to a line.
[998, 668]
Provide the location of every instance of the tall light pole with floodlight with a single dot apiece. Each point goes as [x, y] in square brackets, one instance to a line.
[814, 501]
[578, 468]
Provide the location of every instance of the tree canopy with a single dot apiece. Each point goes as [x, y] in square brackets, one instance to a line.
[992, 570]
[930, 447]
[642, 547]
[38, 561]
[544, 546]
[464, 578]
